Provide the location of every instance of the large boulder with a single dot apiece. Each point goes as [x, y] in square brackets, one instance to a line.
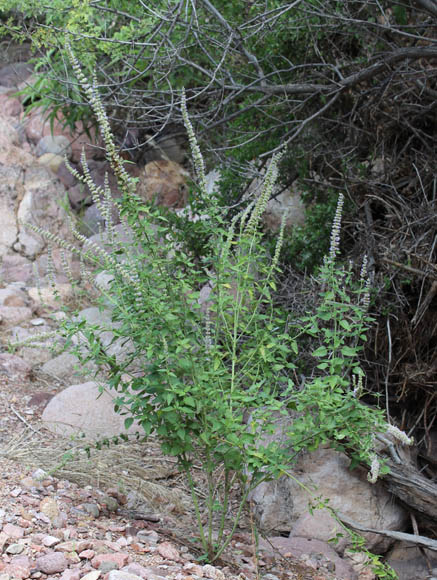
[283, 505]
[87, 409]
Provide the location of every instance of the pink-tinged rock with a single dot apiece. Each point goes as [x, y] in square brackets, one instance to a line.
[83, 408]
[71, 574]
[16, 268]
[213, 573]
[37, 127]
[165, 183]
[53, 563]
[320, 525]
[119, 559]
[194, 569]
[9, 106]
[168, 551]
[13, 531]
[87, 554]
[14, 366]
[3, 539]
[17, 571]
[74, 546]
[297, 547]
[137, 570]
[50, 541]
[13, 315]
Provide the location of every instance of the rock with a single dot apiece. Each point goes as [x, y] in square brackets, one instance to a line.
[135, 569]
[213, 573]
[408, 561]
[37, 125]
[49, 297]
[14, 366]
[124, 575]
[74, 574]
[59, 274]
[13, 315]
[194, 569]
[65, 366]
[15, 549]
[94, 575]
[13, 531]
[41, 206]
[168, 551]
[49, 507]
[289, 201]
[298, 547]
[279, 504]
[14, 267]
[320, 525]
[54, 144]
[51, 160]
[65, 176]
[165, 183]
[91, 509]
[119, 559]
[40, 351]
[8, 134]
[53, 563]
[111, 503]
[93, 222]
[166, 147]
[50, 541]
[15, 73]
[10, 106]
[78, 410]
[149, 537]
[10, 188]
[16, 156]
[120, 348]
[78, 196]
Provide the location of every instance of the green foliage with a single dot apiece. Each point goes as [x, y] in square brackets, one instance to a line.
[211, 380]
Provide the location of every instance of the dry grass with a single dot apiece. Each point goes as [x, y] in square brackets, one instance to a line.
[130, 466]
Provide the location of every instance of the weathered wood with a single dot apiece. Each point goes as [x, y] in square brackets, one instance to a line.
[412, 538]
[412, 488]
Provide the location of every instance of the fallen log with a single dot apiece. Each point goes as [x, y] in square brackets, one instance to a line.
[416, 491]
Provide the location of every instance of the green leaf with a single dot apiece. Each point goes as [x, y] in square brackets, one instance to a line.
[348, 351]
[321, 351]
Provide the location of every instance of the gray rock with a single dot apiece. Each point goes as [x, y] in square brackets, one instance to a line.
[92, 509]
[408, 561]
[63, 366]
[56, 144]
[14, 366]
[15, 73]
[84, 409]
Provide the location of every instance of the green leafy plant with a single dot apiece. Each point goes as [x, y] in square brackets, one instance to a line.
[209, 377]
